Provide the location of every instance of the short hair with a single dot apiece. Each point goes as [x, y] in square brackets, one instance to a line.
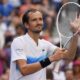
[25, 18]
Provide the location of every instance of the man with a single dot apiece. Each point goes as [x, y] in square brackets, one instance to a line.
[30, 55]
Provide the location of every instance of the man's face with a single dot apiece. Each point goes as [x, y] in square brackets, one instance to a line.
[35, 22]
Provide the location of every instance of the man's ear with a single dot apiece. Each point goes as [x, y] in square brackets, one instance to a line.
[26, 25]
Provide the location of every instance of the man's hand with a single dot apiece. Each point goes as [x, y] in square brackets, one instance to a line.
[58, 55]
[75, 25]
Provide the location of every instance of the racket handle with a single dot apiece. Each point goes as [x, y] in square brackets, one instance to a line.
[58, 66]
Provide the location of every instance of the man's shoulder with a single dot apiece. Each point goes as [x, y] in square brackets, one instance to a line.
[19, 38]
[44, 41]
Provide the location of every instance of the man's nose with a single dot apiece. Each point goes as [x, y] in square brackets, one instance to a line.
[39, 21]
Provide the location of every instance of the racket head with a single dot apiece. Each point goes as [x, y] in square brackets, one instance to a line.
[62, 31]
[67, 14]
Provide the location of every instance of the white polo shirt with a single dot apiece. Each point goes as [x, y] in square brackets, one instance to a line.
[24, 47]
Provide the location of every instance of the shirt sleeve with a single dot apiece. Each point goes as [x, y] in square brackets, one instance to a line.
[51, 48]
[17, 50]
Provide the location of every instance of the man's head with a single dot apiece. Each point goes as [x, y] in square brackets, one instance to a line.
[33, 20]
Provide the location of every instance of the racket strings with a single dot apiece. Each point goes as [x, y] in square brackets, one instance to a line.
[66, 14]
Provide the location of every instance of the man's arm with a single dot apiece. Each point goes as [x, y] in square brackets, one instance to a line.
[73, 43]
[27, 69]
[72, 48]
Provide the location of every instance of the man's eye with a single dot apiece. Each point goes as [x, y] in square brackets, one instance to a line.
[33, 19]
[40, 19]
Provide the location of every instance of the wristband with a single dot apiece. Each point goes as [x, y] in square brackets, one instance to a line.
[45, 62]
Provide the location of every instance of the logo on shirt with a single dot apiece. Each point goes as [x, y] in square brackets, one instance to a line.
[43, 50]
[19, 50]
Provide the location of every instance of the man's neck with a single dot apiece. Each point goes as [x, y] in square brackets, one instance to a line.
[34, 36]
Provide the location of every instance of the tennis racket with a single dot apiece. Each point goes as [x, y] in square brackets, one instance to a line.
[67, 14]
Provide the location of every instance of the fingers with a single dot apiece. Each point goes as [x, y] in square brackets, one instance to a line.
[65, 53]
[75, 24]
[61, 53]
[62, 49]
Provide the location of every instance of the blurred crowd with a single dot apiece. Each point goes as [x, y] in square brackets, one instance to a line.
[11, 12]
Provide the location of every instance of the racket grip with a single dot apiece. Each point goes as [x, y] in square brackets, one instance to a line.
[58, 66]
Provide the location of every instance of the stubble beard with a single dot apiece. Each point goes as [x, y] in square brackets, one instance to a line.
[37, 31]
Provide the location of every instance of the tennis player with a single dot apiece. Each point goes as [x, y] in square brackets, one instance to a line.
[30, 55]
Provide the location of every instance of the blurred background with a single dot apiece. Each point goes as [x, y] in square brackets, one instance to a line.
[11, 12]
